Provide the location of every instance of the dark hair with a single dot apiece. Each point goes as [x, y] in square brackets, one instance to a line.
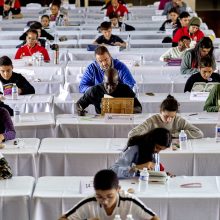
[184, 14]
[205, 42]
[146, 143]
[184, 38]
[101, 50]
[36, 25]
[111, 71]
[5, 61]
[173, 10]
[105, 25]
[169, 104]
[105, 180]
[45, 16]
[113, 15]
[56, 3]
[32, 31]
[206, 62]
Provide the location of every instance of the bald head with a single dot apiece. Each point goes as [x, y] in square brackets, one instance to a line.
[110, 80]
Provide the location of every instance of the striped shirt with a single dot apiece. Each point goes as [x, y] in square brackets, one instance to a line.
[126, 204]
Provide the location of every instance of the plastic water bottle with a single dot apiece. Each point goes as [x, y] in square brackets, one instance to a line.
[73, 108]
[14, 91]
[143, 180]
[183, 140]
[136, 90]
[117, 217]
[157, 162]
[129, 217]
[129, 42]
[16, 114]
[123, 27]
[142, 60]
[217, 133]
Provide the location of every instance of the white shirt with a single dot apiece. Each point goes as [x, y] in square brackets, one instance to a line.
[126, 204]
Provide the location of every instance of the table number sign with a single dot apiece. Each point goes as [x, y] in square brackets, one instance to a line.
[119, 118]
[86, 187]
[198, 96]
[159, 18]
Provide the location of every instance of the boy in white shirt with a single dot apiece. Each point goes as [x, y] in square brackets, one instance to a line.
[109, 201]
[176, 52]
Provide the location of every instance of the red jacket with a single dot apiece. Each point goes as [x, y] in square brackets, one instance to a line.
[120, 10]
[29, 51]
[185, 32]
[16, 4]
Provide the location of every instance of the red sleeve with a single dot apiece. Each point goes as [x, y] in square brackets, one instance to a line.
[45, 54]
[161, 167]
[177, 36]
[125, 10]
[109, 10]
[18, 53]
[200, 35]
[1, 3]
[17, 4]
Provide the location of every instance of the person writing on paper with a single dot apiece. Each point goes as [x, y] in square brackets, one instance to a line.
[140, 152]
[178, 4]
[172, 21]
[192, 30]
[32, 47]
[94, 72]
[176, 52]
[212, 103]
[8, 76]
[110, 86]
[205, 74]
[107, 37]
[109, 201]
[7, 130]
[55, 15]
[115, 23]
[167, 118]
[191, 58]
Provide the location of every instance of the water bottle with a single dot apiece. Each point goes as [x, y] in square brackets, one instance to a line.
[129, 42]
[217, 133]
[157, 162]
[142, 60]
[183, 140]
[129, 217]
[14, 91]
[117, 217]
[16, 114]
[143, 180]
[123, 27]
[73, 108]
[136, 90]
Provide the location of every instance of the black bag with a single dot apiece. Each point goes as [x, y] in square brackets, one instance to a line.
[5, 169]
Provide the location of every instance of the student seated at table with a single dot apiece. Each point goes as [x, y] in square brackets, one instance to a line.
[212, 103]
[32, 47]
[7, 130]
[107, 37]
[167, 118]
[7, 107]
[55, 15]
[193, 31]
[140, 152]
[109, 200]
[5, 169]
[205, 74]
[94, 73]
[8, 76]
[190, 61]
[117, 8]
[176, 52]
[172, 21]
[41, 32]
[178, 4]
[45, 21]
[183, 21]
[10, 6]
[114, 18]
[110, 86]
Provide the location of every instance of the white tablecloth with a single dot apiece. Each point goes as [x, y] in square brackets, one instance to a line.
[67, 156]
[15, 198]
[95, 127]
[22, 158]
[169, 201]
[36, 125]
[150, 104]
[31, 103]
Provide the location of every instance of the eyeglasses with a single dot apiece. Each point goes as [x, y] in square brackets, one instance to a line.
[108, 198]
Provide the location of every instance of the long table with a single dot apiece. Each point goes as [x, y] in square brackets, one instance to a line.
[92, 126]
[170, 201]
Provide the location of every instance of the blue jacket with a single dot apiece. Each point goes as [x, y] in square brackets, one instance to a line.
[94, 75]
